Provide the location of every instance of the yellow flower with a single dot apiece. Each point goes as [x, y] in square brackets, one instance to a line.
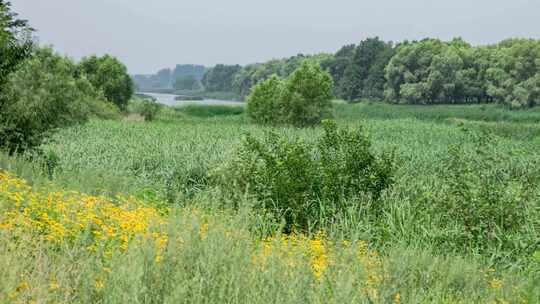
[98, 284]
[54, 285]
[397, 298]
[495, 283]
[22, 286]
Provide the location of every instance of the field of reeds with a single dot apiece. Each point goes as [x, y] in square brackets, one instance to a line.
[127, 211]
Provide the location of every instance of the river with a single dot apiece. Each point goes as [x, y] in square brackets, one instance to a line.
[168, 99]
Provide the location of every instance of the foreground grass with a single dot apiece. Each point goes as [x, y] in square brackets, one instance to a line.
[67, 247]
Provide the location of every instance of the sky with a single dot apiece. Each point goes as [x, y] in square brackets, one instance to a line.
[151, 34]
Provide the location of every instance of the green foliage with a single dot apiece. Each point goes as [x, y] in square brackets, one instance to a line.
[429, 71]
[187, 83]
[514, 76]
[303, 183]
[307, 96]
[247, 77]
[486, 202]
[301, 100]
[263, 104]
[15, 43]
[432, 71]
[110, 76]
[42, 95]
[359, 71]
[149, 109]
[220, 78]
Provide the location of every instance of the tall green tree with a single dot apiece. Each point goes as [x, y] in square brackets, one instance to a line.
[220, 78]
[15, 41]
[188, 82]
[264, 101]
[514, 76]
[430, 71]
[363, 76]
[307, 96]
[109, 75]
[45, 93]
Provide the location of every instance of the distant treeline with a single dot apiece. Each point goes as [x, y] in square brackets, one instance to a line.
[183, 76]
[429, 71]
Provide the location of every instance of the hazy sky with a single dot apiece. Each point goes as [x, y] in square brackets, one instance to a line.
[151, 34]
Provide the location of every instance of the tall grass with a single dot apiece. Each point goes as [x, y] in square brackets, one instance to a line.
[210, 256]
[169, 161]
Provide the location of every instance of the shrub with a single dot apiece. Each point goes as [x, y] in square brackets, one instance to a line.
[487, 197]
[149, 109]
[41, 96]
[263, 104]
[302, 100]
[146, 107]
[305, 184]
[110, 76]
[15, 42]
[307, 96]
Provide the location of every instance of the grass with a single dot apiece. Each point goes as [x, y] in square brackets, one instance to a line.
[85, 249]
[216, 254]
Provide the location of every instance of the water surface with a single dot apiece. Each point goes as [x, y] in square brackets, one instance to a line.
[168, 99]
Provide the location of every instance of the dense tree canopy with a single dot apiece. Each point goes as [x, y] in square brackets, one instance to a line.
[359, 71]
[263, 104]
[110, 76]
[301, 100]
[188, 82]
[429, 71]
[250, 75]
[15, 43]
[197, 71]
[432, 71]
[220, 78]
[514, 75]
[46, 92]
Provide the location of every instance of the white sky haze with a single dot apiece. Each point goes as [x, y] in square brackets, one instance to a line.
[148, 35]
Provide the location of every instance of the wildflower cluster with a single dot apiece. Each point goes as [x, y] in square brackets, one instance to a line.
[320, 255]
[69, 217]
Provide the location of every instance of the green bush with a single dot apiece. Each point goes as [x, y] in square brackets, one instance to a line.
[42, 95]
[149, 109]
[145, 107]
[307, 96]
[306, 184]
[302, 100]
[110, 76]
[15, 41]
[263, 104]
[485, 200]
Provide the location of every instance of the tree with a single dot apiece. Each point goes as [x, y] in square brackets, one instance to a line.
[363, 76]
[263, 104]
[163, 78]
[307, 96]
[220, 78]
[15, 42]
[110, 76]
[514, 75]
[431, 71]
[196, 71]
[187, 83]
[45, 93]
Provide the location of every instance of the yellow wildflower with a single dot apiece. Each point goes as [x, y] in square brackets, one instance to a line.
[98, 284]
[397, 298]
